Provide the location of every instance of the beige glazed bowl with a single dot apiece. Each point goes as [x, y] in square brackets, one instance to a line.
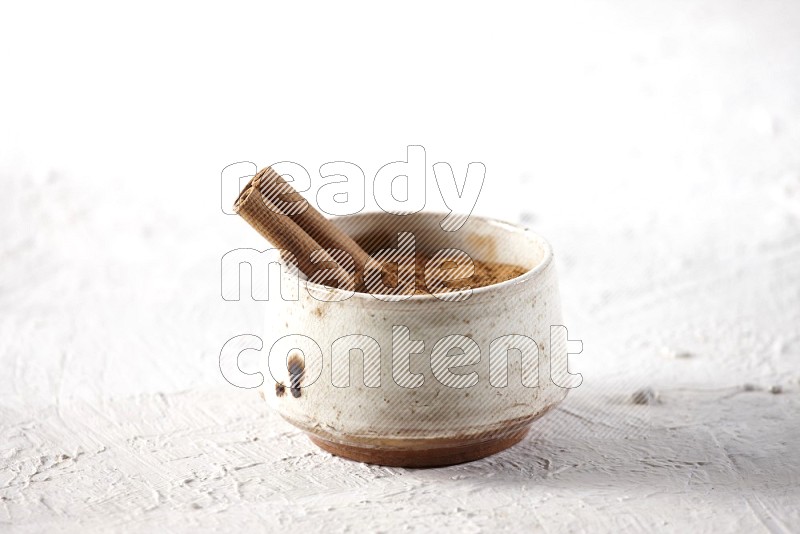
[420, 381]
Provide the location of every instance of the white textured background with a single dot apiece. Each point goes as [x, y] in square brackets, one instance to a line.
[656, 144]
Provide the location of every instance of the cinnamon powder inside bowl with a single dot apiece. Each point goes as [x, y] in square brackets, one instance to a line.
[485, 273]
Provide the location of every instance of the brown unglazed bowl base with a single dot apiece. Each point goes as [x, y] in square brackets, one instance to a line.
[437, 453]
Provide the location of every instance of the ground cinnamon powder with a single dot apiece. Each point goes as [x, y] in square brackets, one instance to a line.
[485, 273]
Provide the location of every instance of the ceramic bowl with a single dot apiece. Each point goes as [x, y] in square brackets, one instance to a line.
[417, 380]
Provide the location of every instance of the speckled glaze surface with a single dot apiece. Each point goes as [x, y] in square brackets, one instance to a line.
[414, 408]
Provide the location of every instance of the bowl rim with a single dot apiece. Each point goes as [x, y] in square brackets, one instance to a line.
[544, 263]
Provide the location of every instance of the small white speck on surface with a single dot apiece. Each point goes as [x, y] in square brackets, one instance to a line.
[675, 354]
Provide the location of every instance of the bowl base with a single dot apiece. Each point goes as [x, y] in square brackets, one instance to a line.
[436, 453]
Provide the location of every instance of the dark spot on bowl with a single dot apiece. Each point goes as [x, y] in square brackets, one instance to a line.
[280, 389]
[297, 369]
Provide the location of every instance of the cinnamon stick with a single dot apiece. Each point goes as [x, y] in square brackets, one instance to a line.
[279, 213]
[280, 230]
[291, 203]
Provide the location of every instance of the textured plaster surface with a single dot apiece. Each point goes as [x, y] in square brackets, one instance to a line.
[670, 192]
